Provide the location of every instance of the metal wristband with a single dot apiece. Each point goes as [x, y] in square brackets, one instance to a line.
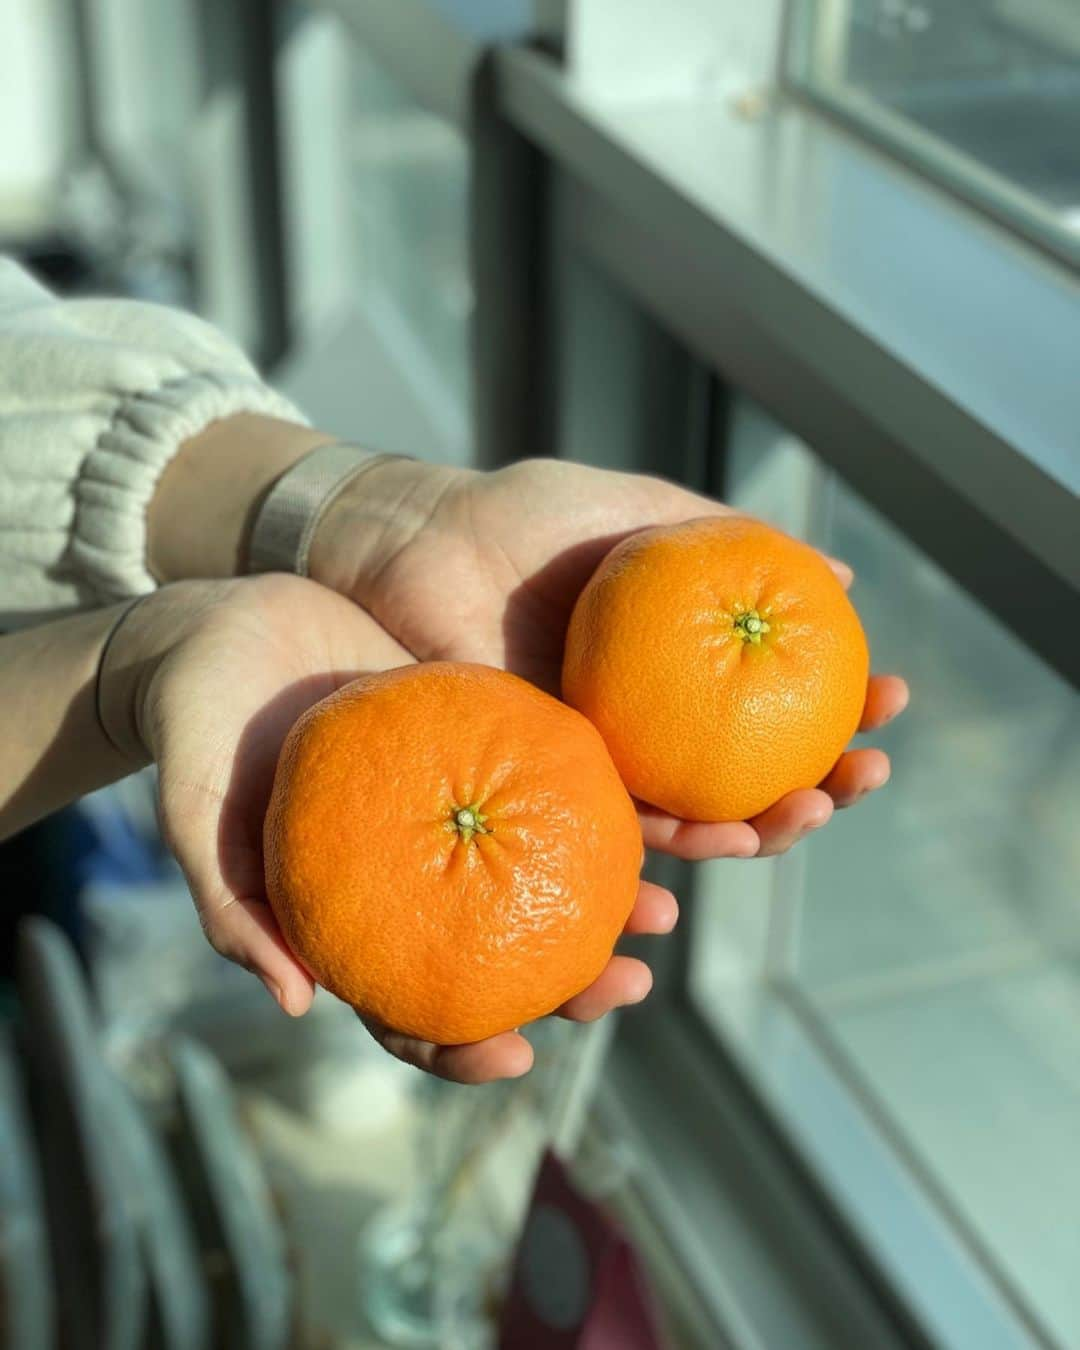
[99, 671]
[285, 525]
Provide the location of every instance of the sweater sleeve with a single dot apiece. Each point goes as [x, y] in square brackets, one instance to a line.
[96, 396]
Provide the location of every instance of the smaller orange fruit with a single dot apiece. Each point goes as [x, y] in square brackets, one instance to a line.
[450, 850]
[722, 663]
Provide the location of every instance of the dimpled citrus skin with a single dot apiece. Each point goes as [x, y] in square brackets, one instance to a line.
[445, 933]
[701, 719]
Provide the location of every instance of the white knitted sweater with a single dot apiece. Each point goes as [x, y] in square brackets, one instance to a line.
[95, 397]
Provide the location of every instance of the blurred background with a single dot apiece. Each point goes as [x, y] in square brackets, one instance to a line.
[818, 258]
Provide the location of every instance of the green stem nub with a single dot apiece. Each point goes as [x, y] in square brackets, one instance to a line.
[469, 820]
[751, 627]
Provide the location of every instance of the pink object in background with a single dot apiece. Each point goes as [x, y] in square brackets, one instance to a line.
[577, 1283]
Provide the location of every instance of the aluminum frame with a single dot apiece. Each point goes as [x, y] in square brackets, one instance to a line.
[913, 395]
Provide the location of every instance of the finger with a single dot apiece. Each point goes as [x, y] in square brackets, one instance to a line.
[695, 841]
[843, 572]
[886, 697]
[245, 931]
[508, 1055]
[794, 816]
[856, 773]
[239, 926]
[624, 980]
[655, 911]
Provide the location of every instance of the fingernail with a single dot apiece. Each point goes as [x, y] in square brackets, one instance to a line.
[274, 990]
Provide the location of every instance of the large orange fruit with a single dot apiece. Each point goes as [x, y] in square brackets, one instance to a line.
[450, 850]
[722, 663]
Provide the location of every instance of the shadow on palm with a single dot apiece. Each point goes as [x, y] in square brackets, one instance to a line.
[243, 806]
[538, 611]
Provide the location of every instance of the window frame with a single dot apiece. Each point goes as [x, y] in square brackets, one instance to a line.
[999, 511]
[433, 48]
[920, 1286]
[807, 46]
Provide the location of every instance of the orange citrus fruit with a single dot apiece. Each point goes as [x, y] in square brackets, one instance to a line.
[450, 850]
[722, 663]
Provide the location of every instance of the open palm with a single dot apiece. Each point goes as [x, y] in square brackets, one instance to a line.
[491, 573]
[249, 657]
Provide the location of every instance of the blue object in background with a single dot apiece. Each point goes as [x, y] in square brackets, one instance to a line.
[108, 837]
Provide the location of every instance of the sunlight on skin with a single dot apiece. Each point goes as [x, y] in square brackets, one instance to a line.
[460, 566]
[232, 903]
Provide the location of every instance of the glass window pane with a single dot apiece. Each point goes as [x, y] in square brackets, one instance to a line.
[146, 63]
[377, 215]
[932, 936]
[410, 171]
[101, 202]
[377, 232]
[997, 81]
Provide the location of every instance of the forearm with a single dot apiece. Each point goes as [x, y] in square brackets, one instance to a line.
[75, 716]
[201, 513]
[200, 518]
[53, 749]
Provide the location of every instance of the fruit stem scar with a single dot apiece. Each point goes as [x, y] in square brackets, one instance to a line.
[750, 626]
[469, 820]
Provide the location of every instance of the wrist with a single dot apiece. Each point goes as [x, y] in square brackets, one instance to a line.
[373, 519]
[199, 519]
[135, 647]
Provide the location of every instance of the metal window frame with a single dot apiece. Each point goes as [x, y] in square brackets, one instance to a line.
[986, 484]
[813, 50]
[872, 1264]
[796, 1211]
[433, 48]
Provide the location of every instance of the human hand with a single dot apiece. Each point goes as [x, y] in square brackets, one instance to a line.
[459, 565]
[208, 677]
[482, 567]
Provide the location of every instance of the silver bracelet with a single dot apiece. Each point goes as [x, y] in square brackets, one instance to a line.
[290, 513]
[99, 670]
